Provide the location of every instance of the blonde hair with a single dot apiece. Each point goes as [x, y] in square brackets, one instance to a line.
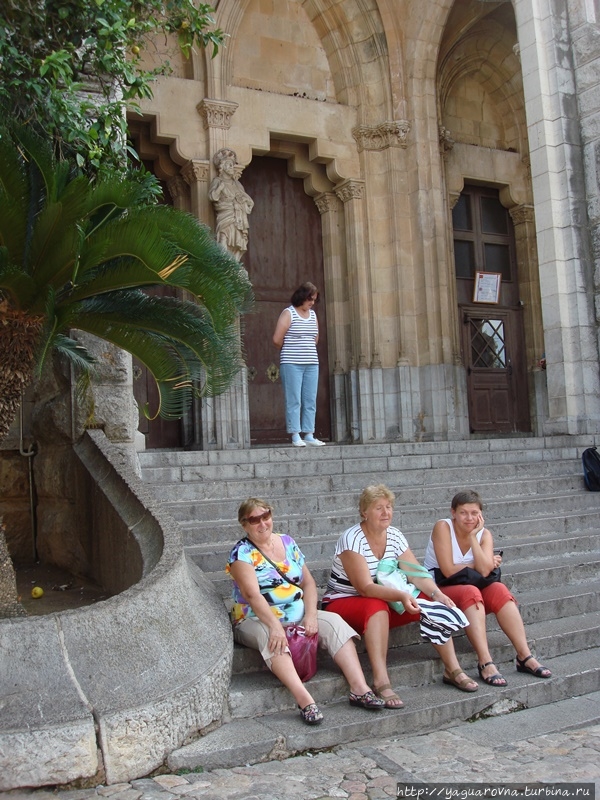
[371, 493]
[249, 505]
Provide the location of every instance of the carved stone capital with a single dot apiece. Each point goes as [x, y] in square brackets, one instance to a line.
[350, 190]
[446, 141]
[216, 113]
[177, 187]
[196, 171]
[380, 137]
[522, 214]
[326, 202]
[453, 198]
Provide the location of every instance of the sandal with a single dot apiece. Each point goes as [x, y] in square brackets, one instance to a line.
[538, 672]
[311, 715]
[492, 680]
[466, 685]
[389, 700]
[367, 700]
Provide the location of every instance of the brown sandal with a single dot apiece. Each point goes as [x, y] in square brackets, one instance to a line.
[462, 685]
[391, 700]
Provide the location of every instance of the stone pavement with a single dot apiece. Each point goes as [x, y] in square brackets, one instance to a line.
[557, 743]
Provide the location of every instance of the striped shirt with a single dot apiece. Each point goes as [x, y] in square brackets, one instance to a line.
[300, 341]
[354, 539]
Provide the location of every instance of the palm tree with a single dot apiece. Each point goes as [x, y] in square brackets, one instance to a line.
[77, 255]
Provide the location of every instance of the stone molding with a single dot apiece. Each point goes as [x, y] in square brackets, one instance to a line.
[177, 187]
[380, 137]
[216, 113]
[196, 171]
[446, 141]
[522, 214]
[350, 190]
[326, 202]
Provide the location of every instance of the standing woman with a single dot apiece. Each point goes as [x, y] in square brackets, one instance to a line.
[297, 334]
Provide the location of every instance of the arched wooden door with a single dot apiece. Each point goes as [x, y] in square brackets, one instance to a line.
[285, 249]
[493, 340]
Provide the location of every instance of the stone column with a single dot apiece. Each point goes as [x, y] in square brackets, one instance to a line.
[223, 421]
[335, 291]
[196, 174]
[564, 246]
[366, 412]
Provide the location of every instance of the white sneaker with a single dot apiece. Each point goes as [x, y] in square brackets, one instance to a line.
[312, 441]
[298, 442]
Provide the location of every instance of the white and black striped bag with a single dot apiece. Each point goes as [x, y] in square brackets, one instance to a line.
[438, 621]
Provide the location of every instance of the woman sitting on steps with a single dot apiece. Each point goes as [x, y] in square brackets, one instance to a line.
[463, 541]
[273, 588]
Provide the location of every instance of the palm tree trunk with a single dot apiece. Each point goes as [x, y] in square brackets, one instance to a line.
[19, 336]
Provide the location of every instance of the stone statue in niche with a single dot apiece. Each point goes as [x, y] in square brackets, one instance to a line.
[232, 204]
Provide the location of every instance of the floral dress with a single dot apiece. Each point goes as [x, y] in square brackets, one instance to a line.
[284, 597]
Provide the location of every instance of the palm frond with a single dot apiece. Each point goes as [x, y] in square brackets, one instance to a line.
[134, 321]
[14, 283]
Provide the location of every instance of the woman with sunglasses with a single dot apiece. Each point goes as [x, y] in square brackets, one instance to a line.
[265, 602]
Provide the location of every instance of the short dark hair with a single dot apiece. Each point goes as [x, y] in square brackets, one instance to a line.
[303, 292]
[466, 496]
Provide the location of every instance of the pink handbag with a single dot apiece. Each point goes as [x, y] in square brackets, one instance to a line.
[303, 649]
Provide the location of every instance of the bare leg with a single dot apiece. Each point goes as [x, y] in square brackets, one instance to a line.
[447, 654]
[283, 668]
[510, 620]
[347, 660]
[477, 635]
[376, 636]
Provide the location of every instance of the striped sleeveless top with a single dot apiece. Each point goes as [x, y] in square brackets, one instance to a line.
[299, 343]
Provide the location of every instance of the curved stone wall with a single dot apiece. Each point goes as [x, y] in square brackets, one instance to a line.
[110, 690]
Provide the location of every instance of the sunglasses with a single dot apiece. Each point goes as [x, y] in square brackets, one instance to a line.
[259, 518]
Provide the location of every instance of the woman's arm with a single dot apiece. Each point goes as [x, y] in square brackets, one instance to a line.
[426, 585]
[245, 577]
[357, 570]
[282, 327]
[483, 554]
[309, 587]
[484, 560]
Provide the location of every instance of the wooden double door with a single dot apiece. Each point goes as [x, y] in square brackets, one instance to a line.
[285, 250]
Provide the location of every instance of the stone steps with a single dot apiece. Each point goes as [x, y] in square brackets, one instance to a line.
[428, 707]
[536, 505]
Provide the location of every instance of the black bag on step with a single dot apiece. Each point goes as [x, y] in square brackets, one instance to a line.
[591, 469]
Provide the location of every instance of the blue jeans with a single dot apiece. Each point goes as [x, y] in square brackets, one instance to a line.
[299, 383]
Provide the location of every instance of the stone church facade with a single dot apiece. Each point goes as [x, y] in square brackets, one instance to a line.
[433, 168]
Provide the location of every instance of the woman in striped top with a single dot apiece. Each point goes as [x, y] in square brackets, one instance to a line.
[353, 594]
[297, 334]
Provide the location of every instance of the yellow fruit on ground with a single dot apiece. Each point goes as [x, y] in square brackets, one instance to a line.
[36, 592]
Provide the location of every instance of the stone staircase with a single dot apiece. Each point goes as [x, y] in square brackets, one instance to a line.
[536, 505]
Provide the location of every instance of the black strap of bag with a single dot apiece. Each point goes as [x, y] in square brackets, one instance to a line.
[467, 576]
[272, 563]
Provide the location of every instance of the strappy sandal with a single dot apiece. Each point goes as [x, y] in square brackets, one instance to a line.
[311, 715]
[492, 680]
[368, 700]
[462, 685]
[390, 700]
[538, 672]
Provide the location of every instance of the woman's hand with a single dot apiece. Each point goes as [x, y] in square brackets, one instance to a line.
[440, 597]
[310, 624]
[277, 640]
[497, 560]
[409, 603]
